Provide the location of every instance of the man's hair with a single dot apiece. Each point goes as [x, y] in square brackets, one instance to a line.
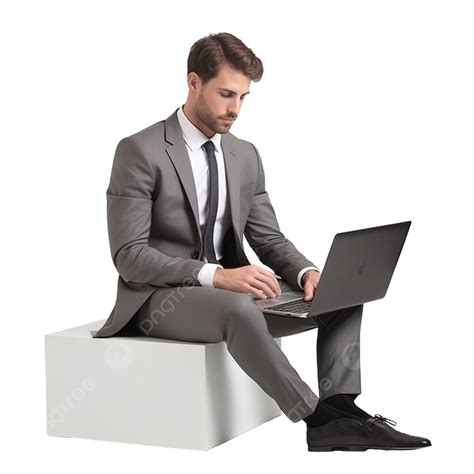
[209, 53]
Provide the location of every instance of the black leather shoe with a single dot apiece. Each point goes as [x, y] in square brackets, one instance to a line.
[348, 434]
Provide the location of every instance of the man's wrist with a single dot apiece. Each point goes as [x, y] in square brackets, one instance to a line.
[214, 277]
[301, 275]
[207, 272]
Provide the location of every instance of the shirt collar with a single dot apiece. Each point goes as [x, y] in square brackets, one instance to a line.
[193, 137]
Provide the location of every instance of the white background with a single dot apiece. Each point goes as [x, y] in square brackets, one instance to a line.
[364, 116]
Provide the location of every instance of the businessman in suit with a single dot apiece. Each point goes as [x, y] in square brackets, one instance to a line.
[183, 192]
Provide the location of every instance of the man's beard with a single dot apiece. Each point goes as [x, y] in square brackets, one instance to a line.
[205, 115]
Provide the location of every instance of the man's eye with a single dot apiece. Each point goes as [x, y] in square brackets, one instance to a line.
[228, 96]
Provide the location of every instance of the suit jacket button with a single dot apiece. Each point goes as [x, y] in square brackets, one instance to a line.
[195, 254]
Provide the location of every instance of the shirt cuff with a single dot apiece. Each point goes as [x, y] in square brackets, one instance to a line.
[301, 273]
[206, 274]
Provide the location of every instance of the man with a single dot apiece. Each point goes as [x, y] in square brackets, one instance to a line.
[182, 194]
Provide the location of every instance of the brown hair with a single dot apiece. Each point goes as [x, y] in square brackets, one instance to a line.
[209, 53]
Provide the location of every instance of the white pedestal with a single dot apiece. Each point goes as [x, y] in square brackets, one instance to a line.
[149, 391]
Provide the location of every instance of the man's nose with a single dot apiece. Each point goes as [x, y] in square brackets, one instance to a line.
[234, 108]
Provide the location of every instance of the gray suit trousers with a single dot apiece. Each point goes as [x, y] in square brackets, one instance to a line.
[205, 314]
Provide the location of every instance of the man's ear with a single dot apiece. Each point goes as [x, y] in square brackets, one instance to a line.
[193, 81]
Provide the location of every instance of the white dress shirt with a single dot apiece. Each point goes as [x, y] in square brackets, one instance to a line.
[195, 139]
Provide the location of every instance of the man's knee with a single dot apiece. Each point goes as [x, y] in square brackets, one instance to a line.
[241, 310]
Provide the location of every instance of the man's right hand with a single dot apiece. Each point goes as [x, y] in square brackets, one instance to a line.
[248, 279]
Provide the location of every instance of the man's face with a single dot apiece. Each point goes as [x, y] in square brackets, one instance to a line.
[220, 99]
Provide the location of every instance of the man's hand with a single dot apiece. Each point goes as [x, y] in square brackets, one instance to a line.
[310, 281]
[248, 279]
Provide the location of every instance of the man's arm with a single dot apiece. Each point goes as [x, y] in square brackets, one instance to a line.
[129, 207]
[268, 242]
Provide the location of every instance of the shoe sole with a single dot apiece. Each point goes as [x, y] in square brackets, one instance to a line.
[360, 448]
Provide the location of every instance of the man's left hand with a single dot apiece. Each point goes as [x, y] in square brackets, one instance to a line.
[310, 281]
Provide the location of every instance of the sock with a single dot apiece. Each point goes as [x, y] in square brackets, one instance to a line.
[345, 402]
[325, 413]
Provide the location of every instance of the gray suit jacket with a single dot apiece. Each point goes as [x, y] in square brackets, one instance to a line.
[153, 220]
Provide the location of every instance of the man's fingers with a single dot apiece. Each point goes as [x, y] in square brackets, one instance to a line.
[261, 285]
[272, 283]
[270, 279]
[256, 292]
[308, 291]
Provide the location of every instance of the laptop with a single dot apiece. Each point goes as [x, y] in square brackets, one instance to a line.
[358, 269]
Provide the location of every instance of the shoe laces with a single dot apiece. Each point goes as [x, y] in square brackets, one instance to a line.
[378, 418]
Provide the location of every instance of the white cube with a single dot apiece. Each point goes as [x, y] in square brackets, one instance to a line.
[150, 391]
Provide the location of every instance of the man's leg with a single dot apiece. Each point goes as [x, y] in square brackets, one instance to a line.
[338, 352]
[338, 346]
[203, 314]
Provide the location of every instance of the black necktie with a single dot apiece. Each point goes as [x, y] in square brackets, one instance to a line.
[209, 251]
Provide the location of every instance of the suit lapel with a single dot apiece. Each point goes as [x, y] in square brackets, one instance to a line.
[176, 149]
[178, 154]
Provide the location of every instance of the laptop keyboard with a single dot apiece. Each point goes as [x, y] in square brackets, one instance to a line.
[296, 306]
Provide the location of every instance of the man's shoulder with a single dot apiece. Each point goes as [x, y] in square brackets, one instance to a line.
[148, 138]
